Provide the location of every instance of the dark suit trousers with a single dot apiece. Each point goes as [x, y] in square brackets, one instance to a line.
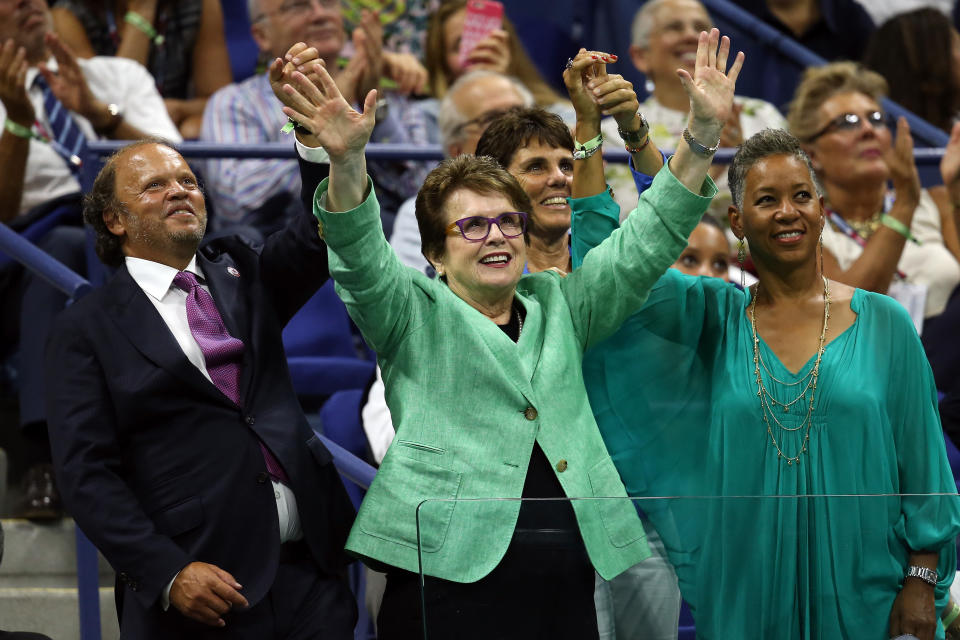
[302, 604]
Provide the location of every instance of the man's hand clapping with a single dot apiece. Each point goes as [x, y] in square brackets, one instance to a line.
[13, 89]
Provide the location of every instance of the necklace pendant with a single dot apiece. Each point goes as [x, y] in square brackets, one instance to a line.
[786, 409]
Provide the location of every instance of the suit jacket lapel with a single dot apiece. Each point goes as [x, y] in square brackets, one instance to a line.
[503, 348]
[140, 322]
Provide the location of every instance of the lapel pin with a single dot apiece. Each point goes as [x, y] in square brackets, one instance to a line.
[232, 271]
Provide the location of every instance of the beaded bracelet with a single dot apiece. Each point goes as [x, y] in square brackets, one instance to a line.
[643, 146]
[143, 25]
[582, 151]
[889, 221]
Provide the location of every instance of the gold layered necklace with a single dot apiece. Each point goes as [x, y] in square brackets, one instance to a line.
[805, 387]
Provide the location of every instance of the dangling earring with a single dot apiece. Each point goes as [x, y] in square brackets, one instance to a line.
[741, 256]
[820, 248]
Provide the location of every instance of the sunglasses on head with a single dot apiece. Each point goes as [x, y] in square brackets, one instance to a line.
[851, 122]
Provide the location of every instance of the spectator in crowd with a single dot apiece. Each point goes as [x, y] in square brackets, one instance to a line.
[52, 103]
[882, 10]
[833, 29]
[263, 193]
[501, 51]
[177, 436]
[481, 301]
[798, 386]
[875, 239]
[707, 252]
[475, 100]
[181, 42]
[910, 52]
[664, 39]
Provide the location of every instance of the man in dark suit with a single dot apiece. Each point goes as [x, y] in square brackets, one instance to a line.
[177, 438]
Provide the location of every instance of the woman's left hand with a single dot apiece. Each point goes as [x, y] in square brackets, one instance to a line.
[914, 611]
[586, 67]
[711, 87]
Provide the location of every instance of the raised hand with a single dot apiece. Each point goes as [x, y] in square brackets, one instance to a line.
[406, 71]
[13, 86]
[903, 169]
[950, 164]
[322, 109]
[491, 54]
[371, 42]
[583, 69]
[70, 86]
[711, 87]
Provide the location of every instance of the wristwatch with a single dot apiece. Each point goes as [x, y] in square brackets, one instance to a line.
[927, 575]
[638, 137]
[116, 117]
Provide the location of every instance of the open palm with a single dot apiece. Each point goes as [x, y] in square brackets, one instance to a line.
[711, 87]
[321, 108]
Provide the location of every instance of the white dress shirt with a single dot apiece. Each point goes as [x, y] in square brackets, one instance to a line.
[156, 280]
[111, 80]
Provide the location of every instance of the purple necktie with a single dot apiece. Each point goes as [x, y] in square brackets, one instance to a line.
[222, 352]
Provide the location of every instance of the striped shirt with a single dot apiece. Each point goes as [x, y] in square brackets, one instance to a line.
[249, 113]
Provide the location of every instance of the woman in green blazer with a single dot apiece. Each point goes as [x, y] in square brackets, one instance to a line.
[481, 368]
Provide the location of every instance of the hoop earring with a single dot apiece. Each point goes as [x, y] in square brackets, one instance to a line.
[741, 256]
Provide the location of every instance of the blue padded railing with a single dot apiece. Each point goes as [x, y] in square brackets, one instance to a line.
[379, 151]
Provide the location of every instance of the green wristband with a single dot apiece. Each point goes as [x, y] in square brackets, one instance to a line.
[889, 221]
[582, 151]
[954, 613]
[17, 129]
[143, 25]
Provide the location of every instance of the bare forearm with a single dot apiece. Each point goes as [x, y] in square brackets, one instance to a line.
[588, 177]
[13, 159]
[348, 182]
[874, 269]
[648, 160]
[134, 44]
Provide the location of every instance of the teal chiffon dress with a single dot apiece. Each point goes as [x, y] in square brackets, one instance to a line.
[675, 395]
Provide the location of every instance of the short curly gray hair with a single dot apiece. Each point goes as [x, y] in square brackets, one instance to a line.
[642, 25]
[766, 143]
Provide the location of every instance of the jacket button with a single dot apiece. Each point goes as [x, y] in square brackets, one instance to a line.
[249, 420]
[262, 477]
[530, 413]
[561, 465]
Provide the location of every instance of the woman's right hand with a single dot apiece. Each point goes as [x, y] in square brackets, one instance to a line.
[491, 54]
[903, 169]
[711, 87]
[339, 128]
[585, 68]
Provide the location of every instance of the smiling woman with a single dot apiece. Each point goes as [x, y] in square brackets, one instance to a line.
[491, 348]
[779, 391]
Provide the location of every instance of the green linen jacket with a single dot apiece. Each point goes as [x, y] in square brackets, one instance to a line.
[468, 403]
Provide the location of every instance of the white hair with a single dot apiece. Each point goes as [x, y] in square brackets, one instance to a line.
[449, 118]
[642, 25]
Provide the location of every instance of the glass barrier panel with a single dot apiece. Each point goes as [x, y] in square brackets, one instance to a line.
[731, 567]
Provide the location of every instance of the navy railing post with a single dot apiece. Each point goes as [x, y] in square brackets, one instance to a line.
[88, 587]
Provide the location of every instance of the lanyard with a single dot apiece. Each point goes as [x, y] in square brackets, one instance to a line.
[852, 233]
[38, 132]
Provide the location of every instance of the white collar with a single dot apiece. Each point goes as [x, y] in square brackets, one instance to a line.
[155, 278]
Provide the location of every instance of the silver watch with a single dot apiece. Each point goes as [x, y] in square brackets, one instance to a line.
[927, 575]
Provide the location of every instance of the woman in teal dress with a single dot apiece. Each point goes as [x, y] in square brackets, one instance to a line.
[799, 386]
